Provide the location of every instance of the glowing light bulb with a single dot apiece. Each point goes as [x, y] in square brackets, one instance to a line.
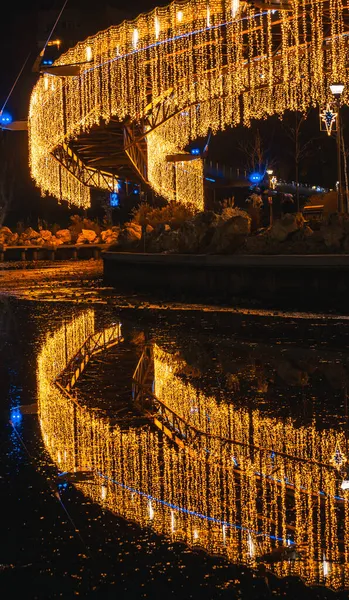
[172, 521]
[88, 53]
[103, 492]
[180, 16]
[325, 566]
[235, 7]
[151, 510]
[251, 547]
[157, 27]
[135, 37]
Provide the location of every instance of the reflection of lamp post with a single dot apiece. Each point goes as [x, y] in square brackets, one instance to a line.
[337, 90]
[270, 198]
[270, 172]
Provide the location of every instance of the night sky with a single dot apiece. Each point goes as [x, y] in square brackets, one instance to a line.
[19, 37]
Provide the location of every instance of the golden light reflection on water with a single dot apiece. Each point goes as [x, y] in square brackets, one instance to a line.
[253, 484]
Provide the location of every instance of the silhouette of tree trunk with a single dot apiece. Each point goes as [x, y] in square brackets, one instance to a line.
[299, 149]
[7, 178]
[255, 154]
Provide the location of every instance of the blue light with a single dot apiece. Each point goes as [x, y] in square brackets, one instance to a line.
[255, 177]
[5, 118]
[184, 510]
[114, 199]
[195, 151]
[136, 191]
[209, 179]
[15, 416]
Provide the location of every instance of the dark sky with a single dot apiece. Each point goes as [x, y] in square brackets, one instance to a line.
[18, 38]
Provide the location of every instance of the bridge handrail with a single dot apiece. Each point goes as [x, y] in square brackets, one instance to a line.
[101, 340]
[199, 432]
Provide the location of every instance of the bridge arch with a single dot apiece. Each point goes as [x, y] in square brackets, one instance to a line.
[128, 97]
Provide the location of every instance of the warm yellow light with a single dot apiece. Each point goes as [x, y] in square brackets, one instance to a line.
[235, 5]
[203, 494]
[157, 27]
[88, 53]
[54, 43]
[135, 37]
[208, 16]
[209, 78]
[180, 16]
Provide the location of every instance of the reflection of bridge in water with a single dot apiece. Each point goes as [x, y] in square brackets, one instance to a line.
[241, 486]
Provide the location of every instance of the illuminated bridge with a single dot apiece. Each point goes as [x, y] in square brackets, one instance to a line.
[206, 494]
[125, 103]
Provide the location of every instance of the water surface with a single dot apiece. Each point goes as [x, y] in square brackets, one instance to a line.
[228, 443]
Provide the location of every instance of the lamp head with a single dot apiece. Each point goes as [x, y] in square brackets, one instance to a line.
[337, 89]
[270, 171]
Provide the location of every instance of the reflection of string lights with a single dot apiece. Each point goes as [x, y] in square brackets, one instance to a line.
[194, 496]
[199, 58]
[104, 492]
[338, 459]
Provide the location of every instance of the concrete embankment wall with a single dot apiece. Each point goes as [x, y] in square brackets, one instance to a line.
[301, 281]
[63, 252]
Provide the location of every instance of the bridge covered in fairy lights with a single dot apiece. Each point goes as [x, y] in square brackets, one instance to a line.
[124, 104]
[243, 485]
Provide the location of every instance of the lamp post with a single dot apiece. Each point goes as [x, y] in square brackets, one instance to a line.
[337, 90]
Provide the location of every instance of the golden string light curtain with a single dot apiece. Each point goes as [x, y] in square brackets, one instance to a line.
[199, 495]
[211, 63]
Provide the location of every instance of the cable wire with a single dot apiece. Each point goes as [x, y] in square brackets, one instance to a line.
[15, 83]
[53, 28]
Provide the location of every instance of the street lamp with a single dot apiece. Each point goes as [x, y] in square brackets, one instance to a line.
[337, 90]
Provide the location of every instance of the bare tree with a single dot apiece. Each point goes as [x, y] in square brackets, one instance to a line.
[7, 178]
[299, 149]
[256, 156]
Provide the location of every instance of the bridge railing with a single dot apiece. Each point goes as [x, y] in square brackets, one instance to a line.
[94, 344]
[184, 434]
